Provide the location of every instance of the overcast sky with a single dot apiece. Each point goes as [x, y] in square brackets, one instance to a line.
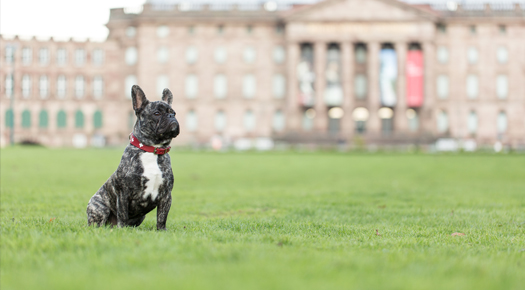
[58, 18]
[83, 19]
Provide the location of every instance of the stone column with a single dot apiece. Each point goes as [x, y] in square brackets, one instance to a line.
[400, 119]
[427, 121]
[373, 125]
[321, 117]
[293, 115]
[347, 80]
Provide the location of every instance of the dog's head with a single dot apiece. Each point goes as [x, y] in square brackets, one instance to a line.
[156, 123]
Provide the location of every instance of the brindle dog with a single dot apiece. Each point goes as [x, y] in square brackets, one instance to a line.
[143, 180]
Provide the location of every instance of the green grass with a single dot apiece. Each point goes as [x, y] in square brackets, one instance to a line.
[270, 221]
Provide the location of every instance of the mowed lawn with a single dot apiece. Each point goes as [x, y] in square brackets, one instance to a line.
[279, 220]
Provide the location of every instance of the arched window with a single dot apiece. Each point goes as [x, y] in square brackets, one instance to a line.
[97, 120]
[9, 118]
[43, 119]
[79, 119]
[26, 119]
[61, 119]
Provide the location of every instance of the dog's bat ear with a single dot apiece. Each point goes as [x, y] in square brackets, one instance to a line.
[138, 97]
[167, 96]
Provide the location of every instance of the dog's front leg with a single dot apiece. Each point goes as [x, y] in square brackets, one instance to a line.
[162, 212]
[122, 210]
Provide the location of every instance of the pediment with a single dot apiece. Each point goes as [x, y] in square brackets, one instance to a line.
[360, 10]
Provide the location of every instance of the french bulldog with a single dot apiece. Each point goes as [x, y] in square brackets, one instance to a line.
[143, 179]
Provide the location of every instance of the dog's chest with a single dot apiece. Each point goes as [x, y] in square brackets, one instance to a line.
[153, 174]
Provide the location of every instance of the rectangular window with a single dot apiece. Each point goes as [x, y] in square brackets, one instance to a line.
[278, 123]
[191, 86]
[502, 123]
[472, 86]
[9, 86]
[279, 54]
[502, 86]
[502, 54]
[442, 86]
[472, 55]
[191, 121]
[279, 86]
[220, 55]
[43, 56]
[43, 87]
[162, 54]
[220, 121]
[61, 56]
[98, 87]
[220, 86]
[80, 57]
[442, 122]
[98, 57]
[191, 55]
[360, 86]
[61, 86]
[162, 83]
[9, 54]
[249, 55]
[27, 56]
[79, 87]
[249, 86]
[26, 86]
[249, 121]
[442, 54]
[131, 55]
[472, 123]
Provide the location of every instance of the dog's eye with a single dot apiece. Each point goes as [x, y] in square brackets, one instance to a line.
[156, 113]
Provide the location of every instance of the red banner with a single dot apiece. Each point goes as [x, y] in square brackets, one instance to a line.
[414, 70]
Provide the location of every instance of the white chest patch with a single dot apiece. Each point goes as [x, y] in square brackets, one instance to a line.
[152, 173]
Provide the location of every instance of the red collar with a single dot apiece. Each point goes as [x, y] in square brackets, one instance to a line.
[156, 150]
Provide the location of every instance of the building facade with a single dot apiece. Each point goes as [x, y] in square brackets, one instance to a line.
[354, 72]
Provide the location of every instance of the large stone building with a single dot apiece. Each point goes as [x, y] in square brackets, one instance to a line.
[373, 72]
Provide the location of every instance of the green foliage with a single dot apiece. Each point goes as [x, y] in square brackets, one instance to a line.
[270, 221]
